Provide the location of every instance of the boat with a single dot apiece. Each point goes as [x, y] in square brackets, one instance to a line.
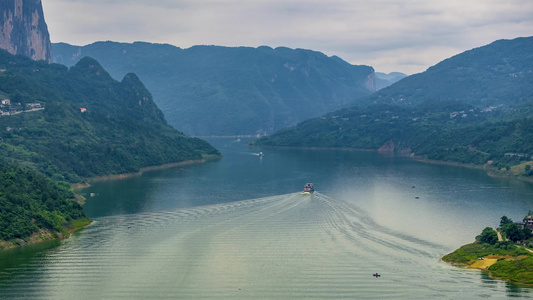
[261, 154]
[308, 188]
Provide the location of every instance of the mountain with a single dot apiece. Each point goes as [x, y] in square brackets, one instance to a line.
[77, 123]
[240, 90]
[500, 73]
[383, 80]
[23, 30]
[434, 115]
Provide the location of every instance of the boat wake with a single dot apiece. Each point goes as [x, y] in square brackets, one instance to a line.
[285, 246]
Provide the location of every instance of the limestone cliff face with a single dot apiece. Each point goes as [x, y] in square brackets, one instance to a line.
[23, 30]
[370, 82]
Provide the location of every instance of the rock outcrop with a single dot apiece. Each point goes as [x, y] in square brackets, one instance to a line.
[23, 30]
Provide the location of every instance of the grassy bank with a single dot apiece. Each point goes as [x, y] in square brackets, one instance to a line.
[45, 234]
[503, 260]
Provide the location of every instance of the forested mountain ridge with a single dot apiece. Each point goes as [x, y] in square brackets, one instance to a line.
[91, 125]
[412, 117]
[240, 90]
[500, 73]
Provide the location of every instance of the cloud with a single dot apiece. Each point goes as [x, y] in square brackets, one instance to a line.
[407, 36]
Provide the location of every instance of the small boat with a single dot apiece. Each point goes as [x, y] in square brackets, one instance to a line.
[308, 188]
[376, 275]
[261, 154]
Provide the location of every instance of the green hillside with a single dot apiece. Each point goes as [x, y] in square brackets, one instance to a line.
[61, 125]
[31, 204]
[91, 125]
[240, 90]
[447, 131]
[466, 129]
[500, 73]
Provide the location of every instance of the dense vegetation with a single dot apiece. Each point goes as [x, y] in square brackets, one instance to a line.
[457, 128]
[92, 125]
[30, 202]
[447, 131]
[514, 261]
[500, 73]
[240, 90]
[515, 233]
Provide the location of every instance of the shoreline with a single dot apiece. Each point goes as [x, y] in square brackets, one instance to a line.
[485, 269]
[140, 172]
[485, 167]
[42, 235]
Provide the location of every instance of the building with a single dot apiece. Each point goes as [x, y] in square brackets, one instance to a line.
[33, 105]
[528, 222]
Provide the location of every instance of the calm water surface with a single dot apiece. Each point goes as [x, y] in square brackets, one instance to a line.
[238, 228]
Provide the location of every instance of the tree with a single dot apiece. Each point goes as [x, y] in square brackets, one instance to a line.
[527, 233]
[488, 236]
[513, 232]
[505, 220]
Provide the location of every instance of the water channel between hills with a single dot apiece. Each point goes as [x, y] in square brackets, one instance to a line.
[239, 227]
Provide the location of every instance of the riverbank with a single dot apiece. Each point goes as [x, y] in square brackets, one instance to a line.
[488, 168]
[513, 264]
[46, 235]
[43, 235]
[140, 172]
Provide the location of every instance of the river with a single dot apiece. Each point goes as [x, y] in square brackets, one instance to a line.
[239, 228]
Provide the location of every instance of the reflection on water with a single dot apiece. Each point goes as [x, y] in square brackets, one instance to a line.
[280, 247]
[12, 259]
[235, 228]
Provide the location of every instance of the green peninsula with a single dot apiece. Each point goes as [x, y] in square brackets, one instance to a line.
[506, 253]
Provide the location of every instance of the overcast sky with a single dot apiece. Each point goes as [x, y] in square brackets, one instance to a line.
[390, 35]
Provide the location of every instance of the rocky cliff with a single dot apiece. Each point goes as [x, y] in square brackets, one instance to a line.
[23, 30]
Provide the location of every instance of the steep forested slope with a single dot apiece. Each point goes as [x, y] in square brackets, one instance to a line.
[30, 203]
[488, 115]
[500, 73]
[240, 90]
[91, 125]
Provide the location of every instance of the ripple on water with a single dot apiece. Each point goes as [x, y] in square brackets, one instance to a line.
[286, 246]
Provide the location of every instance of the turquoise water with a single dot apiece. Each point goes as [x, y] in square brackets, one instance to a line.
[239, 228]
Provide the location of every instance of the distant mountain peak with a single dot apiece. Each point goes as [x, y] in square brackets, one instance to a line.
[90, 67]
[238, 90]
[499, 73]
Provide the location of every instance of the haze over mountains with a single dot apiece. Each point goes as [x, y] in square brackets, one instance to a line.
[472, 108]
[211, 90]
[498, 73]
[383, 80]
[69, 124]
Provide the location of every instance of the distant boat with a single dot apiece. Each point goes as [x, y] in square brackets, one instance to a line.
[261, 154]
[376, 275]
[308, 188]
